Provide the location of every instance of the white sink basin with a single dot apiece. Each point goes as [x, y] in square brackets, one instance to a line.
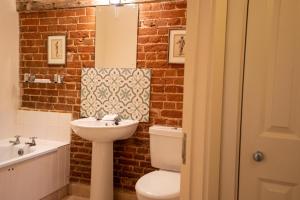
[102, 134]
[103, 131]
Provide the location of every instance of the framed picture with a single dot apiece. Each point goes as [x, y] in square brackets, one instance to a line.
[57, 50]
[177, 46]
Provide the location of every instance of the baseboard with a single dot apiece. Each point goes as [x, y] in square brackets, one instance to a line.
[58, 194]
[124, 195]
[83, 190]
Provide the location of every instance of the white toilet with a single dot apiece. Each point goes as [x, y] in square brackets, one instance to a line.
[165, 152]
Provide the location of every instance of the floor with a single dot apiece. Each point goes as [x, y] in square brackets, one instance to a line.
[82, 192]
[74, 198]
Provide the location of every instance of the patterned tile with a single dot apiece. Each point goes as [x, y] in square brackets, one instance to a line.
[116, 90]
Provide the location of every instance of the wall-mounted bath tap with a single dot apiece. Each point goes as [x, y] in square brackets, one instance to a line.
[32, 143]
[17, 141]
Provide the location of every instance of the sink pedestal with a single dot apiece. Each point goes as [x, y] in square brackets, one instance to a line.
[102, 171]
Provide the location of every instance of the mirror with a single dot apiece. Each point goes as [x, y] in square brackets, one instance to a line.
[116, 36]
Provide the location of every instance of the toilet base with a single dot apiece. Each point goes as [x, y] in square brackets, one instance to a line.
[140, 197]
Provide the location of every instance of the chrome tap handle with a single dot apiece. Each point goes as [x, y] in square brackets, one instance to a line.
[17, 138]
[33, 139]
[32, 143]
[117, 120]
[98, 116]
[17, 141]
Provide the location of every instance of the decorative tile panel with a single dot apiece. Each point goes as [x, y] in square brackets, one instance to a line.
[116, 90]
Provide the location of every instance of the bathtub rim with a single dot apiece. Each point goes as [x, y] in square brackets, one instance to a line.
[43, 147]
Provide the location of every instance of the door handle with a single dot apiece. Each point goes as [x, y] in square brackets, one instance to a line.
[258, 156]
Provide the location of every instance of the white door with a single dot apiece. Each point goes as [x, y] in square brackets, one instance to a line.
[271, 102]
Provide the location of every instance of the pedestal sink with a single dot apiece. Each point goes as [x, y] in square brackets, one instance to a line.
[102, 134]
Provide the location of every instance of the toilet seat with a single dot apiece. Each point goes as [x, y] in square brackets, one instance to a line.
[159, 184]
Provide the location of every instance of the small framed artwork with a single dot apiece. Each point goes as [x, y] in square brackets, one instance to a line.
[57, 50]
[177, 43]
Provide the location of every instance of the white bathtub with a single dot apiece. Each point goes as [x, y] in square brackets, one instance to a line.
[9, 153]
[41, 170]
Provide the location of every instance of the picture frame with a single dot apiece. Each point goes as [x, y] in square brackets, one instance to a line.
[57, 50]
[177, 44]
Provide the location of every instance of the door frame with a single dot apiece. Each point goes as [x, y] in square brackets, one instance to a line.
[212, 106]
[232, 98]
[203, 91]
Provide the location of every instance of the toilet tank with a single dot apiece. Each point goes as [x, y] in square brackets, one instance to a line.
[165, 147]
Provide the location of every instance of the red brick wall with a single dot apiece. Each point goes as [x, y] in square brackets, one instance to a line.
[131, 157]
[36, 5]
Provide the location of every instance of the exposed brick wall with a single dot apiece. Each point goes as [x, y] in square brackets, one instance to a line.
[37, 5]
[131, 157]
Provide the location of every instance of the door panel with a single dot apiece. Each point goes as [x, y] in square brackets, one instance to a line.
[271, 102]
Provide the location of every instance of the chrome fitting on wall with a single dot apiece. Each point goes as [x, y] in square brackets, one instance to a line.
[29, 77]
[58, 78]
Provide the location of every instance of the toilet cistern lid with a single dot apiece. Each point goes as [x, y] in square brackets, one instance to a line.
[159, 184]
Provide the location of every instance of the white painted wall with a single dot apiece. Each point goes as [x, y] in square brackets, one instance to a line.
[9, 62]
[51, 125]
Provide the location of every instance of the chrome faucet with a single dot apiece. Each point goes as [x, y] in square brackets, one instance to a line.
[17, 140]
[98, 116]
[117, 120]
[32, 143]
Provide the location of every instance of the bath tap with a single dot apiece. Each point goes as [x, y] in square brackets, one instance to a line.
[17, 140]
[32, 143]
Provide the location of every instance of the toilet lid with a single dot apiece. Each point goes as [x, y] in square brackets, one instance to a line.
[159, 184]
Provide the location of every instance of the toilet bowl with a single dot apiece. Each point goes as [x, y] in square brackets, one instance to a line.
[165, 148]
[159, 185]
